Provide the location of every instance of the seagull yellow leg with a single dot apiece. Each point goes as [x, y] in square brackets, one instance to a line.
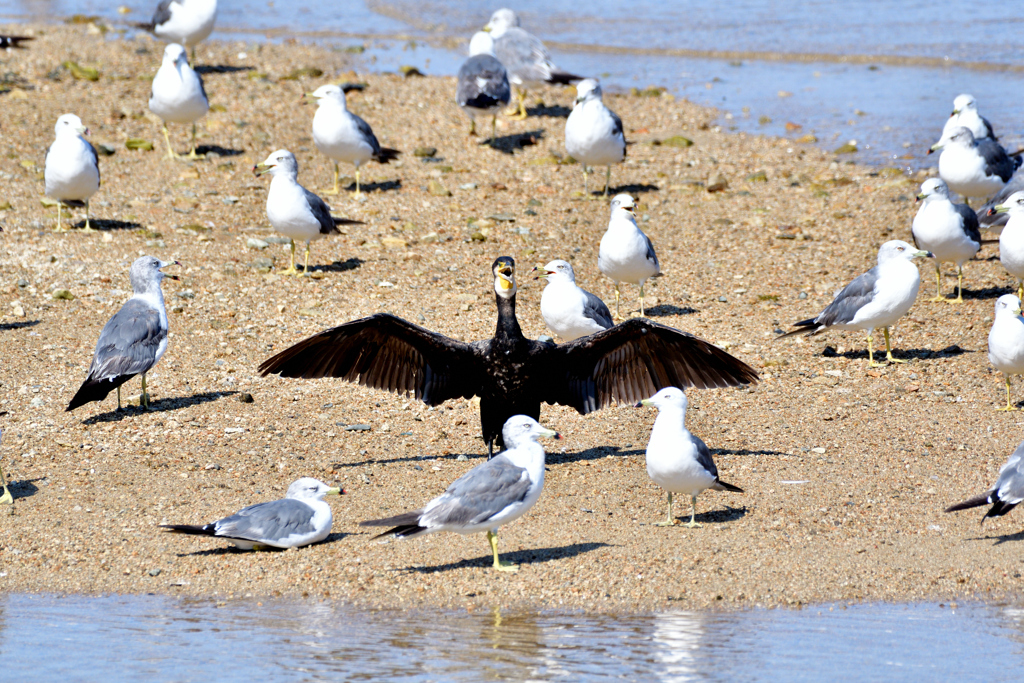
[1020, 289]
[144, 397]
[335, 190]
[192, 154]
[60, 228]
[693, 513]
[492, 538]
[518, 112]
[959, 286]
[642, 301]
[1009, 406]
[87, 228]
[472, 126]
[6, 498]
[871, 356]
[171, 154]
[305, 264]
[607, 180]
[193, 55]
[938, 285]
[119, 398]
[291, 269]
[357, 192]
[586, 180]
[494, 129]
[888, 348]
[617, 316]
[669, 521]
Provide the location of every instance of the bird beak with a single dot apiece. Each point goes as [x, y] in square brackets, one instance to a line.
[82, 130]
[955, 112]
[936, 147]
[260, 169]
[645, 402]
[999, 208]
[631, 209]
[487, 29]
[309, 98]
[337, 490]
[550, 433]
[164, 264]
[923, 254]
[920, 197]
[1016, 311]
[505, 275]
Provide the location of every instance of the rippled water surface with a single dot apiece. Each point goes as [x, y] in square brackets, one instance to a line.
[150, 638]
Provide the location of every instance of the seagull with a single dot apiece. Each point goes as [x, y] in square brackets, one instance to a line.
[1007, 492]
[482, 88]
[293, 210]
[970, 167]
[342, 135]
[988, 218]
[626, 253]
[678, 461]
[948, 230]
[524, 55]
[593, 132]
[5, 498]
[491, 494]
[965, 115]
[72, 168]
[1006, 341]
[1011, 240]
[569, 311]
[178, 95]
[13, 42]
[133, 340]
[878, 298]
[186, 22]
[301, 518]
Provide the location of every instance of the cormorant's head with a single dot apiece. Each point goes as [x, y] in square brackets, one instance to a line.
[504, 277]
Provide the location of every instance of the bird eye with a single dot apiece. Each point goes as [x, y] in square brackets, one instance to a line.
[901, 248]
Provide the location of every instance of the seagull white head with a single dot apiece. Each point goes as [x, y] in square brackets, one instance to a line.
[932, 188]
[898, 249]
[1008, 305]
[958, 137]
[669, 398]
[964, 103]
[557, 271]
[588, 89]
[145, 274]
[482, 43]
[623, 205]
[69, 124]
[175, 54]
[1014, 205]
[501, 21]
[519, 429]
[282, 162]
[504, 269]
[308, 488]
[329, 93]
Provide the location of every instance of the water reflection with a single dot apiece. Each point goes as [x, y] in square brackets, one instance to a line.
[677, 639]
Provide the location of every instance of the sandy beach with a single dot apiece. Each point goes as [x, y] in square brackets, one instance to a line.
[846, 470]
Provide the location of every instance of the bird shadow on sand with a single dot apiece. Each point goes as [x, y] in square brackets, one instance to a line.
[337, 266]
[987, 292]
[109, 224]
[162, 405]
[425, 459]
[382, 186]
[633, 189]
[596, 453]
[218, 150]
[232, 550]
[728, 514]
[521, 557]
[662, 310]
[19, 325]
[742, 451]
[25, 488]
[221, 69]
[899, 354]
[556, 111]
[510, 144]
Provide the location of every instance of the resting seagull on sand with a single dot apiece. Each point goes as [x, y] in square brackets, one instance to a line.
[294, 211]
[678, 461]
[133, 340]
[187, 22]
[72, 168]
[482, 88]
[491, 494]
[626, 254]
[593, 132]
[948, 230]
[1007, 492]
[1011, 240]
[970, 167]
[568, 310]
[342, 135]
[178, 95]
[1006, 341]
[300, 518]
[878, 298]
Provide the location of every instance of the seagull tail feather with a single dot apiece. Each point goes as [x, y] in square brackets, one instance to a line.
[723, 486]
[93, 390]
[386, 154]
[802, 328]
[191, 529]
[977, 501]
[563, 77]
[403, 525]
[352, 221]
[144, 25]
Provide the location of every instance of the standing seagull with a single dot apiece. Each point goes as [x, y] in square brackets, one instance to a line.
[626, 253]
[294, 211]
[133, 340]
[342, 135]
[965, 115]
[878, 298]
[524, 55]
[971, 167]
[988, 218]
[568, 310]
[489, 495]
[187, 22]
[948, 230]
[1011, 240]
[1006, 494]
[72, 168]
[483, 83]
[1006, 341]
[678, 461]
[301, 518]
[178, 95]
[593, 133]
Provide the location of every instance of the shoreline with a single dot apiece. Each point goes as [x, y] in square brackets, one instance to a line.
[93, 485]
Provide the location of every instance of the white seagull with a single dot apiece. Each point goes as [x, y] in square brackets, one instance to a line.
[948, 230]
[483, 87]
[568, 310]
[178, 95]
[988, 218]
[1011, 240]
[491, 494]
[677, 460]
[1006, 341]
[593, 132]
[294, 211]
[524, 56]
[72, 168]
[626, 253]
[299, 519]
[133, 340]
[342, 135]
[878, 298]
[1007, 493]
[187, 22]
[965, 115]
[971, 167]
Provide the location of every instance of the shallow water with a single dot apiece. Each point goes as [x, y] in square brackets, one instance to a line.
[763, 63]
[156, 638]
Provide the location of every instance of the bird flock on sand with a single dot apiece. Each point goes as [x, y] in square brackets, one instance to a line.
[599, 358]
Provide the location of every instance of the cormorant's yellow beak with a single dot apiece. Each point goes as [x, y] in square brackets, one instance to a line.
[260, 169]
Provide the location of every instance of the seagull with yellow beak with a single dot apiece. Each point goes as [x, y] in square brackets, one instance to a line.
[1006, 341]
[1011, 239]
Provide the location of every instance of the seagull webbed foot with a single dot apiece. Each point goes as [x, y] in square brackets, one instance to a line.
[6, 498]
[938, 298]
[667, 522]
[1006, 409]
[890, 359]
[290, 271]
[692, 524]
[504, 566]
[958, 300]
[876, 364]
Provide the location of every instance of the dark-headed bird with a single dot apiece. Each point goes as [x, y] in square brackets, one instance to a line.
[511, 374]
[1007, 492]
[133, 340]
